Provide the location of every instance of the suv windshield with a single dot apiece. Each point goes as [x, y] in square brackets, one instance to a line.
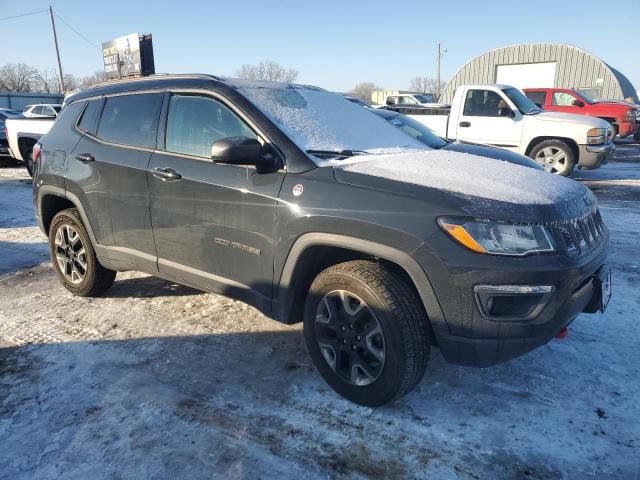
[424, 98]
[321, 121]
[521, 101]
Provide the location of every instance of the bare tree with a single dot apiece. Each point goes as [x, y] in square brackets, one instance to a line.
[47, 81]
[268, 70]
[364, 90]
[423, 85]
[17, 77]
[97, 77]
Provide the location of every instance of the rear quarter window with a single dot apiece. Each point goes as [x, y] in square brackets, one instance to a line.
[87, 120]
[131, 119]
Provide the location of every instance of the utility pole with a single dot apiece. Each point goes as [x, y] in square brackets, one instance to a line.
[438, 55]
[55, 40]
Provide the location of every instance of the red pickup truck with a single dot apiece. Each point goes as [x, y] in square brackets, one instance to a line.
[621, 115]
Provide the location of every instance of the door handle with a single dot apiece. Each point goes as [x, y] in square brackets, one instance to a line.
[85, 157]
[166, 174]
[465, 124]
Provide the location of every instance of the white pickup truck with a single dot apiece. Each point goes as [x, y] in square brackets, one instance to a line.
[502, 116]
[23, 134]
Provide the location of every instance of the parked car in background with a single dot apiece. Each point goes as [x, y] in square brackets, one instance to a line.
[42, 110]
[314, 210]
[22, 134]
[424, 134]
[4, 114]
[502, 116]
[621, 115]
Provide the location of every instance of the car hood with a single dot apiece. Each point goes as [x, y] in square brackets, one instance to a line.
[492, 152]
[482, 187]
[559, 117]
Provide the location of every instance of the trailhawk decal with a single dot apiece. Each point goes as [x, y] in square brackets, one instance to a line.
[239, 246]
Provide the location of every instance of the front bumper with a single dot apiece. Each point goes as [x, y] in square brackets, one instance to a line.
[467, 336]
[627, 128]
[593, 156]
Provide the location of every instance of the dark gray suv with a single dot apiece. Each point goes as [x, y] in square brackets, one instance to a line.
[315, 210]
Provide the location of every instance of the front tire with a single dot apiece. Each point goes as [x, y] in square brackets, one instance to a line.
[366, 332]
[74, 258]
[555, 156]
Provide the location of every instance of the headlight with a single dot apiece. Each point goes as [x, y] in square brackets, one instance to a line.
[631, 115]
[496, 238]
[596, 136]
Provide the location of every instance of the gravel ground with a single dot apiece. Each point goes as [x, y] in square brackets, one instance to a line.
[161, 381]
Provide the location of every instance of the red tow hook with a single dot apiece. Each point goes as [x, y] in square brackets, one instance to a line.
[562, 333]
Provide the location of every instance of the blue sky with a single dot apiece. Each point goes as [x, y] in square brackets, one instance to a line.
[333, 44]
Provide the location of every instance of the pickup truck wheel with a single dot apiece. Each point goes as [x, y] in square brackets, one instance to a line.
[366, 332]
[555, 156]
[73, 257]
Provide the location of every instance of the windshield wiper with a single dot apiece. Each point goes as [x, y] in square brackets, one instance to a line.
[533, 111]
[335, 153]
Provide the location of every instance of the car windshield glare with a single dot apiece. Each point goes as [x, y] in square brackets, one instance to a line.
[521, 101]
[318, 120]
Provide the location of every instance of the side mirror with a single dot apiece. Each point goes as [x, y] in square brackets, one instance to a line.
[577, 103]
[245, 151]
[390, 101]
[237, 151]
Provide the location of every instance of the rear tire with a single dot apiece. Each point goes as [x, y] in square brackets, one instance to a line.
[74, 258]
[555, 156]
[366, 332]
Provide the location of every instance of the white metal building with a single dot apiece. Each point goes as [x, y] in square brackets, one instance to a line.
[544, 65]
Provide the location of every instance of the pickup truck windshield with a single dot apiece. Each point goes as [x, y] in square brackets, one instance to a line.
[584, 97]
[521, 101]
[424, 98]
[320, 121]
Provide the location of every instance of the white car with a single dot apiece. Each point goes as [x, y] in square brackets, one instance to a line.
[42, 110]
[502, 116]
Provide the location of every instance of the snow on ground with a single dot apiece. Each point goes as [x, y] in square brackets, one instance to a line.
[158, 380]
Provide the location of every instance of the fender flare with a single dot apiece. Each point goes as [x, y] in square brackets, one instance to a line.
[284, 299]
[54, 190]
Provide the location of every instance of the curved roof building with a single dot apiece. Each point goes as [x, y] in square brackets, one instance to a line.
[544, 65]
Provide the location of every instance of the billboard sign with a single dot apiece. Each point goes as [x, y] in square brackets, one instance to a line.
[122, 56]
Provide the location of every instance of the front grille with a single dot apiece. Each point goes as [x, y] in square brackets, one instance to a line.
[581, 235]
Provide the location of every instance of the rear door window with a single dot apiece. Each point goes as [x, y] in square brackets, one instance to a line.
[195, 123]
[131, 119]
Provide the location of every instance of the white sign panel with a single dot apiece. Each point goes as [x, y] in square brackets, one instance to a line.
[527, 75]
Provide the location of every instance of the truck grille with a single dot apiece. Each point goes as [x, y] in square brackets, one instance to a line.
[583, 234]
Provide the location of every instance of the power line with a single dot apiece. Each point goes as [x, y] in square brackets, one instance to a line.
[24, 14]
[77, 32]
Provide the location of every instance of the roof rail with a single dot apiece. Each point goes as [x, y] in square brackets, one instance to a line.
[203, 76]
